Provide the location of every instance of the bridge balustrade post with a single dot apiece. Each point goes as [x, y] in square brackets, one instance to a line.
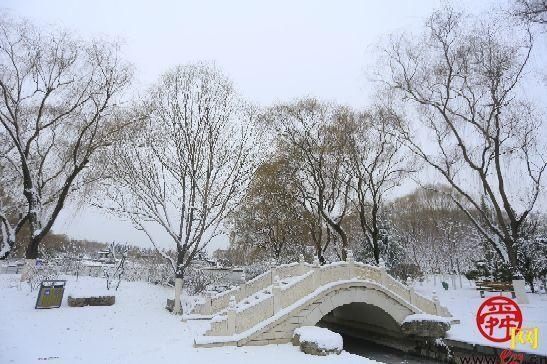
[243, 287]
[243, 291]
[351, 264]
[302, 264]
[273, 270]
[207, 308]
[383, 273]
[231, 317]
[316, 273]
[276, 293]
[436, 303]
[411, 292]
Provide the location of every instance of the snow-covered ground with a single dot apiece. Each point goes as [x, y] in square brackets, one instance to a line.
[464, 302]
[137, 329]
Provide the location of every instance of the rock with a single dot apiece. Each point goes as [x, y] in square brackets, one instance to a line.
[91, 301]
[426, 326]
[312, 348]
[317, 341]
[170, 305]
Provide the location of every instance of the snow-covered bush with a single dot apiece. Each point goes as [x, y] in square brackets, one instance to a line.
[196, 281]
[256, 269]
[532, 258]
[158, 273]
[42, 273]
[114, 273]
[402, 271]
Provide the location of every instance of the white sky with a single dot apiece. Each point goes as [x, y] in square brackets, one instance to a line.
[272, 50]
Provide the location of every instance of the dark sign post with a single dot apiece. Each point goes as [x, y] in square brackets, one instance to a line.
[50, 294]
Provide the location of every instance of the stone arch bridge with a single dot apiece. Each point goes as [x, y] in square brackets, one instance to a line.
[267, 309]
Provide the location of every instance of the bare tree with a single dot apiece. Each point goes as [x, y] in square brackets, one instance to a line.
[186, 168]
[114, 273]
[57, 96]
[430, 224]
[378, 163]
[531, 11]
[461, 80]
[270, 221]
[9, 207]
[309, 132]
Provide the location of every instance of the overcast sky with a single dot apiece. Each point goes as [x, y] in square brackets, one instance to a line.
[272, 50]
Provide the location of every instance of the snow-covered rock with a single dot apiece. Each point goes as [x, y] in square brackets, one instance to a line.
[317, 341]
[91, 301]
[425, 325]
[426, 317]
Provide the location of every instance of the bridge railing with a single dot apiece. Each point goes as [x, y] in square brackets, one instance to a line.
[406, 292]
[221, 301]
[367, 272]
[249, 316]
[295, 291]
[333, 272]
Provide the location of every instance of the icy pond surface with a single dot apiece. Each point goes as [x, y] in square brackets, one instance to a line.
[381, 353]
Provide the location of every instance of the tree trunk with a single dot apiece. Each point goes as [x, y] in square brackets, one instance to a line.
[376, 243]
[28, 270]
[32, 249]
[179, 276]
[376, 249]
[513, 260]
[177, 309]
[320, 256]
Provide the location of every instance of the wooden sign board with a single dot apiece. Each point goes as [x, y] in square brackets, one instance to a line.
[50, 294]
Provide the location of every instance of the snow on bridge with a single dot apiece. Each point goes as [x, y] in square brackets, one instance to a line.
[267, 309]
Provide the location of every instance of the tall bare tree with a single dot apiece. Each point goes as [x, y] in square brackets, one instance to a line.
[184, 171]
[532, 11]
[57, 99]
[461, 79]
[309, 132]
[429, 224]
[270, 221]
[378, 163]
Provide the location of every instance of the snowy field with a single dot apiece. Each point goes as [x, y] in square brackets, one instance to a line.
[137, 329]
[463, 304]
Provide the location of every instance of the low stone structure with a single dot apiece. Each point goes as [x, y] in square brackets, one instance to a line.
[170, 305]
[317, 341]
[91, 301]
[425, 326]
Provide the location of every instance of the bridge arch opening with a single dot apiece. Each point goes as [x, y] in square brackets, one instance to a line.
[362, 320]
[370, 331]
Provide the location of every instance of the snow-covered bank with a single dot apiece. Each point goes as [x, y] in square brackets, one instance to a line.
[463, 304]
[137, 329]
